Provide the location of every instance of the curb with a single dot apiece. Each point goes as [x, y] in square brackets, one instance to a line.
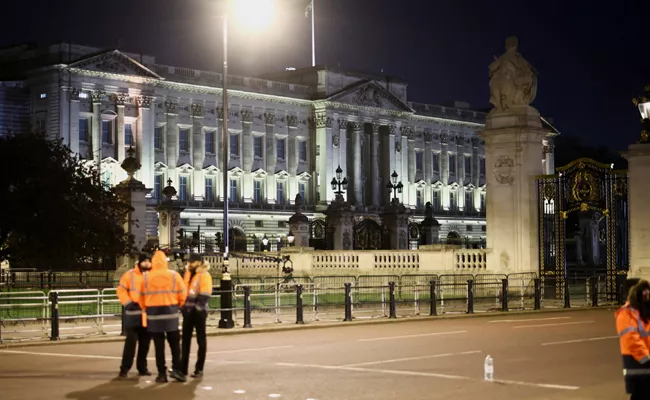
[312, 326]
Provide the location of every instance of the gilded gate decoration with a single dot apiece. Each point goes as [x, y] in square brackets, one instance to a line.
[318, 234]
[368, 235]
[583, 223]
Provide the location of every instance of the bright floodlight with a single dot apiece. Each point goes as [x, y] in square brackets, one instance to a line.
[644, 109]
[254, 14]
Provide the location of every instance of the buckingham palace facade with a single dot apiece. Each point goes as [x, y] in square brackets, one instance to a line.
[288, 133]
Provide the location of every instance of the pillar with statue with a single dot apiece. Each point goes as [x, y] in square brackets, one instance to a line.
[299, 225]
[169, 217]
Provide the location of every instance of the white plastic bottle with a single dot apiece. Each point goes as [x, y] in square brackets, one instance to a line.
[488, 367]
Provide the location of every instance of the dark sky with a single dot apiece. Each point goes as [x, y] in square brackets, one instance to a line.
[592, 57]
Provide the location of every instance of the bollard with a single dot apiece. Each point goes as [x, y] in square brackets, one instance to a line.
[299, 319]
[433, 301]
[42, 280]
[123, 333]
[54, 298]
[348, 301]
[470, 296]
[391, 304]
[594, 292]
[538, 293]
[247, 307]
[226, 321]
[504, 298]
[567, 294]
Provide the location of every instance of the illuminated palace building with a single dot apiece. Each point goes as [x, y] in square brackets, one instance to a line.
[288, 134]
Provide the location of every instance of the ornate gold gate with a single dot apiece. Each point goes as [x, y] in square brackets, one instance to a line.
[583, 199]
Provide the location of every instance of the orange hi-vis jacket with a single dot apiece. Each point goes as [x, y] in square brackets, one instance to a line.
[162, 292]
[199, 289]
[634, 337]
[129, 295]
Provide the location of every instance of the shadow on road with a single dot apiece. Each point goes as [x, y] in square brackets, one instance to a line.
[133, 389]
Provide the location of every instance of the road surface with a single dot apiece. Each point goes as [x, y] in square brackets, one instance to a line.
[551, 356]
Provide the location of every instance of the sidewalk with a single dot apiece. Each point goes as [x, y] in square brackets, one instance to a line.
[280, 327]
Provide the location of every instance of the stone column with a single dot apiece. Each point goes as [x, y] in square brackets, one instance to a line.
[144, 140]
[407, 132]
[638, 158]
[549, 157]
[171, 149]
[375, 170]
[299, 225]
[343, 156]
[396, 219]
[169, 220]
[271, 160]
[65, 115]
[121, 99]
[430, 227]
[357, 179]
[513, 151]
[134, 192]
[96, 129]
[326, 147]
[389, 159]
[73, 94]
[428, 166]
[340, 224]
[247, 155]
[292, 165]
[198, 152]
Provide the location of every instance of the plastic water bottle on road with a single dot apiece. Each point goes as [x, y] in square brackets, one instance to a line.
[488, 367]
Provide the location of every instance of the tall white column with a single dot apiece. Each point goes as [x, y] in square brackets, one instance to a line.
[549, 157]
[64, 115]
[73, 123]
[121, 100]
[96, 140]
[638, 157]
[389, 159]
[198, 152]
[171, 150]
[247, 155]
[407, 132]
[427, 159]
[375, 177]
[144, 140]
[271, 161]
[292, 165]
[357, 182]
[326, 148]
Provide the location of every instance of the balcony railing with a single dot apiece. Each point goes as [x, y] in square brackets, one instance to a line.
[235, 205]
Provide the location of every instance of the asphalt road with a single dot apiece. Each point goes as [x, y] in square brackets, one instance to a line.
[550, 356]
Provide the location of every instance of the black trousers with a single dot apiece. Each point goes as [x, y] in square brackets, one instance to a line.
[174, 340]
[140, 337]
[194, 320]
[641, 389]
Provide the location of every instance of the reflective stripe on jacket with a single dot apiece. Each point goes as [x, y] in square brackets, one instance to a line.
[634, 336]
[162, 294]
[199, 290]
[129, 295]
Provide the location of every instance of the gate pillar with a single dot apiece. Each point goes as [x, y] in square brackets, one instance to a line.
[638, 157]
[340, 221]
[396, 219]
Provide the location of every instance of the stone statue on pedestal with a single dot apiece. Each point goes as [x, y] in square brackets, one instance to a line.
[513, 81]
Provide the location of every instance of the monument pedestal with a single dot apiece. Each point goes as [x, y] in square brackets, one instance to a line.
[429, 228]
[299, 225]
[513, 156]
[396, 219]
[340, 224]
[638, 158]
[169, 218]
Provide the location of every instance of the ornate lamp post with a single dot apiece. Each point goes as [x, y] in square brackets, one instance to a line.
[265, 243]
[395, 187]
[643, 102]
[339, 184]
[290, 238]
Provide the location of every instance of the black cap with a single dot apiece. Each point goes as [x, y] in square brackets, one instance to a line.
[143, 257]
[195, 257]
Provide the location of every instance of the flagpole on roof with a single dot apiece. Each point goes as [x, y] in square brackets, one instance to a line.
[311, 8]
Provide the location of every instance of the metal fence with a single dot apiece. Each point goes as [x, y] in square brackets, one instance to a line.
[66, 313]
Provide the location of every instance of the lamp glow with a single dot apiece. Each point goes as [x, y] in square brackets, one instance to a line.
[253, 14]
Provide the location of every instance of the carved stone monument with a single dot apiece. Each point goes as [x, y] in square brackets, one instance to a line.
[340, 224]
[396, 219]
[430, 227]
[169, 217]
[513, 138]
[299, 225]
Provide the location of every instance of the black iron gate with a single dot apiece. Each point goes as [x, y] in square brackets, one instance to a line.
[318, 234]
[583, 224]
[368, 235]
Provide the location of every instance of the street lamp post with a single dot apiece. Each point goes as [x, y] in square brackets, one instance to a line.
[290, 238]
[394, 186]
[643, 102]
[339, 185]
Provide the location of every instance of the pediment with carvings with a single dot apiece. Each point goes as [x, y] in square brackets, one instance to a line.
[114, 62]
[370, 94]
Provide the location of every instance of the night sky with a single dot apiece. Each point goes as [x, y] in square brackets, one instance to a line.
[591, 59]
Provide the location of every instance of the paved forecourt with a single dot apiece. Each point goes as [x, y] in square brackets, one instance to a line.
[564, 355]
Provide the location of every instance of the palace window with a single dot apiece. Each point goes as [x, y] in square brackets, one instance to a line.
[233, 191]
[83, 130]
[209, 189]
[302, 191]
[482, 166]
[107, 136]
[128, 135]
[452, 164]
[482, 201]
[182, 186]
[280, 151]
[419, 199]
[468, 167]
[279, 192]
[234, 144]
[209, 222]
[436, 200]
[158, 137]
[418, 161]
[157, 186]
[209, 142]
[302, 150]
[258, 146]
[468, 200]
[436, 163]
[106, 178]
[452, 200]
[184, 140]
[257, 191]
